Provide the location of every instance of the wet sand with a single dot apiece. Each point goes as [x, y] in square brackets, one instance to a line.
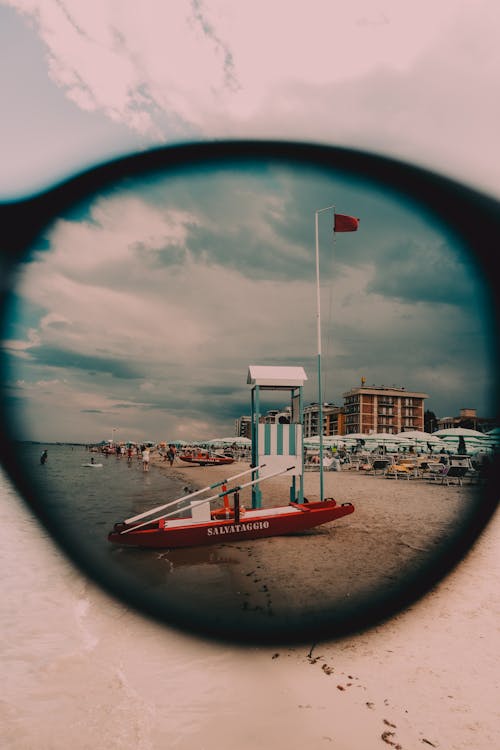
[342, 569]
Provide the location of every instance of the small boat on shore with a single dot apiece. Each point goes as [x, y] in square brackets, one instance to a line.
[229, 523]
[203, 458]
[253, 524]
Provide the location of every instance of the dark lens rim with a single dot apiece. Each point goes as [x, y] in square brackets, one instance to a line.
[473, 216]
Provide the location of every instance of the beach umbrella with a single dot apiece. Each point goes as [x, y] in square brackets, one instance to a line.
[354, 440]
[387, 441]
[226, 442]
[453, 434]
[425, 441]
[493, 437]
[420, 436]
[331, 439]
[473, 440]
[384, 437]
[335, 440]
[457, 431]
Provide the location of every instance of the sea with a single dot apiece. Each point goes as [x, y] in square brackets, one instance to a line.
[82, 503]
[89, 499]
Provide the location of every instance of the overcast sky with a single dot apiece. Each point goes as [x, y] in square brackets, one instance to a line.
[141, 311]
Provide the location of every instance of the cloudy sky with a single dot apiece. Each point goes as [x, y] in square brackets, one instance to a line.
[142, 310]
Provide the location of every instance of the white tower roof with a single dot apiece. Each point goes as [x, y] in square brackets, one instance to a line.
[276, 376]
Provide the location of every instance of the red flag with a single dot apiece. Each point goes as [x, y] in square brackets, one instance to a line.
[344, 223]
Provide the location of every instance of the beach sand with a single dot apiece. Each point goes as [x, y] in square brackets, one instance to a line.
[82, 670]
[332, 575]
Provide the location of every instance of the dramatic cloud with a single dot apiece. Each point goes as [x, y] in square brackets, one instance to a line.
[141, 310]
[146, 306]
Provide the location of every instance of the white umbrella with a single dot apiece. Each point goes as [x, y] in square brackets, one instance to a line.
[493, 437]
[314, 439]
[473, 439]
[423, 439]
[229, 441]
[457, 431]
[384, 437]
[420, 436]
[390, 442]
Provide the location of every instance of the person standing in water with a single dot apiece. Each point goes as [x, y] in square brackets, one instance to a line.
[44, 456]
[145, 458]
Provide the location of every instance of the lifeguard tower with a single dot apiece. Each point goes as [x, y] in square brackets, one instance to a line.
[279, 446]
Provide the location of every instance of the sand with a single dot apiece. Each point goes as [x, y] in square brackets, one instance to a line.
[82, 670]
[337, 575]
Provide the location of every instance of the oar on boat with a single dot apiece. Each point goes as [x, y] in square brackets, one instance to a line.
[207, 499]
[132, 519]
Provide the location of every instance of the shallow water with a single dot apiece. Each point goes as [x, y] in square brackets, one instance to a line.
[88, 501]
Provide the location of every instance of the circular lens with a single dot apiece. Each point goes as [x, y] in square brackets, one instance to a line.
[133, 321]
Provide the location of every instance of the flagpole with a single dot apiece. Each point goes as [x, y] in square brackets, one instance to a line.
[318, 325]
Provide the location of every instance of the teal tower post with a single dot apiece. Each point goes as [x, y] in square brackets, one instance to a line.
[277, 443]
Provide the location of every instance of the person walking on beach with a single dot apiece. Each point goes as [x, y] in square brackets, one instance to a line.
[171, 454]
[145, 458]
[44, 456]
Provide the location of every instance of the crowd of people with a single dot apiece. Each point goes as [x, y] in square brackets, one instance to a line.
[141, 452]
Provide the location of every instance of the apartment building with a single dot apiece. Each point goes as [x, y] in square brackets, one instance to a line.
[333, 419]
[243, 427]
[383, 409]
[366, 409]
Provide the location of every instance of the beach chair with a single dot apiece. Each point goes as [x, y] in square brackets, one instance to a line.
[435, 470]
[454, 473]
[400, 471]
[380, 465]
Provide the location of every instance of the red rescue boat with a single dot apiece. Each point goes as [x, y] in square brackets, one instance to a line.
[250, 524]
[203, 458]
[211, 526]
